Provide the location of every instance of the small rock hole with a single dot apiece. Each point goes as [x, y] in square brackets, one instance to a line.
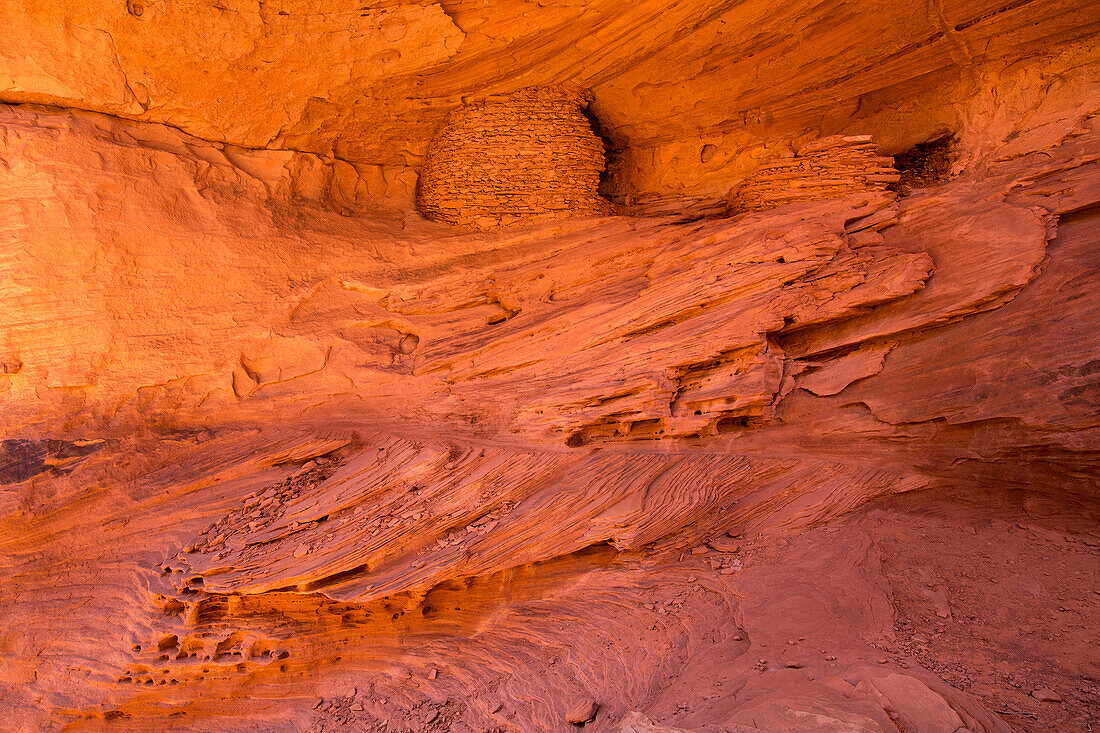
[925, 164]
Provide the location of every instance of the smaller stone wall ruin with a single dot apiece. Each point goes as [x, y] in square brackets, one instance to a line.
[821, 169]
[527, 156]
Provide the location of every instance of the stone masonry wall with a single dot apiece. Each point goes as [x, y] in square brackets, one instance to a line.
[527, 156]
[821, 169]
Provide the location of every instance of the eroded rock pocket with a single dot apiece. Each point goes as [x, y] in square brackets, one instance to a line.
[924, 165]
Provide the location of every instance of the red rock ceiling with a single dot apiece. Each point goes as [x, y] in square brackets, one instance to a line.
[781, 443]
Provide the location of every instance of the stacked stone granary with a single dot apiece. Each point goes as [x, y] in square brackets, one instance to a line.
[526, 156]
[821, 169]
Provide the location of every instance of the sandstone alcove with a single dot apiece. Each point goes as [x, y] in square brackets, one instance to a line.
[709, 365]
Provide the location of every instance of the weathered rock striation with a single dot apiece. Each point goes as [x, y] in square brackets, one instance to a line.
[312, 421]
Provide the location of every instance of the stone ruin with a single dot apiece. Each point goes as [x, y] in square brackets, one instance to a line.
[824, 168]
[522, 157]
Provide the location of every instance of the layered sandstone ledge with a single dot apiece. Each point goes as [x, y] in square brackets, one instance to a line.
[666, 424]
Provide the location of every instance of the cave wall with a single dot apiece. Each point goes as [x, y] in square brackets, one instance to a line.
[669, 78]
[240, 311]
[723, 458]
